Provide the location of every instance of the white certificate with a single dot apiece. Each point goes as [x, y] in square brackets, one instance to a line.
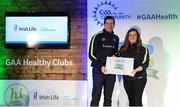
[119, 65]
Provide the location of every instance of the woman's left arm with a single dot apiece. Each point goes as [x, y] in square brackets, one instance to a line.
[145, 62]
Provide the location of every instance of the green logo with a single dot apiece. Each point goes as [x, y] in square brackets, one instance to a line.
[152, 72]
[16, 95]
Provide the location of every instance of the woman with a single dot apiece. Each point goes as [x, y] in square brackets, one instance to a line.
[134, 83]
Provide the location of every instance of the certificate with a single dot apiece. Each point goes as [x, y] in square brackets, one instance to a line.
[119, 65]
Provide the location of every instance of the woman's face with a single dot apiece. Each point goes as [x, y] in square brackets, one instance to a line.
[132, 37]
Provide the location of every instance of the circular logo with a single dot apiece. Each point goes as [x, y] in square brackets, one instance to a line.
[16, 95]
[102, 10]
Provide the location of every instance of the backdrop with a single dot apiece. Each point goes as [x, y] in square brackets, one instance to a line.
[159, 24]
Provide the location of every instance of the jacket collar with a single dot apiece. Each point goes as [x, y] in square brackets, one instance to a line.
[106, 32]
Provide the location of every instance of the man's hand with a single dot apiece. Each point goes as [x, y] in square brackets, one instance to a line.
[113, 55]
[104, 70]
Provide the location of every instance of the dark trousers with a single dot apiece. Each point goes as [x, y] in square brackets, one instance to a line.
[99, 81]
[134, 90]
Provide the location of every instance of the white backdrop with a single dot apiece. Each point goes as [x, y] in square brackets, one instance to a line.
[159, 24]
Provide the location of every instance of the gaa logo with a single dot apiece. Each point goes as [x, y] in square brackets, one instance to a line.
[16, 95]
[104, 9]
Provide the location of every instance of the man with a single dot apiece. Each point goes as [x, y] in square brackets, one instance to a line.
[103, 44]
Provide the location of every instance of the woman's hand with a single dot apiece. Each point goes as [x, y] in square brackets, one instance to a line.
[132, 74]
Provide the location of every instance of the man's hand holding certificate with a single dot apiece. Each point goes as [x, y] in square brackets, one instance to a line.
[119, 65]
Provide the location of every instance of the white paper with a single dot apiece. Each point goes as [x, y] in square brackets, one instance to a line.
[119, 65]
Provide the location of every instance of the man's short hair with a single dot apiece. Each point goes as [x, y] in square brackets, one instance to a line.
[109, 17]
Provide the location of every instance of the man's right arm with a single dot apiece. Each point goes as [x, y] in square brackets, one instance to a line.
[93, 48]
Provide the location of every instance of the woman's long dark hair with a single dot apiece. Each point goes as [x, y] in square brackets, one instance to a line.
[138, 43]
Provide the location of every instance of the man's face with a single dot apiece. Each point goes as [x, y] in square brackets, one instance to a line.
[109, 25]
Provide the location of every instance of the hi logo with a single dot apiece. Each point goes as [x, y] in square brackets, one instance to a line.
[107, 8]
[16, 95]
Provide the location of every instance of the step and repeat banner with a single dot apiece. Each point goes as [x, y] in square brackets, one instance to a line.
[158, 22]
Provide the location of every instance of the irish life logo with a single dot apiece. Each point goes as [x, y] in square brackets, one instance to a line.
[15, 27]
[107, 8]
[16, 95]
